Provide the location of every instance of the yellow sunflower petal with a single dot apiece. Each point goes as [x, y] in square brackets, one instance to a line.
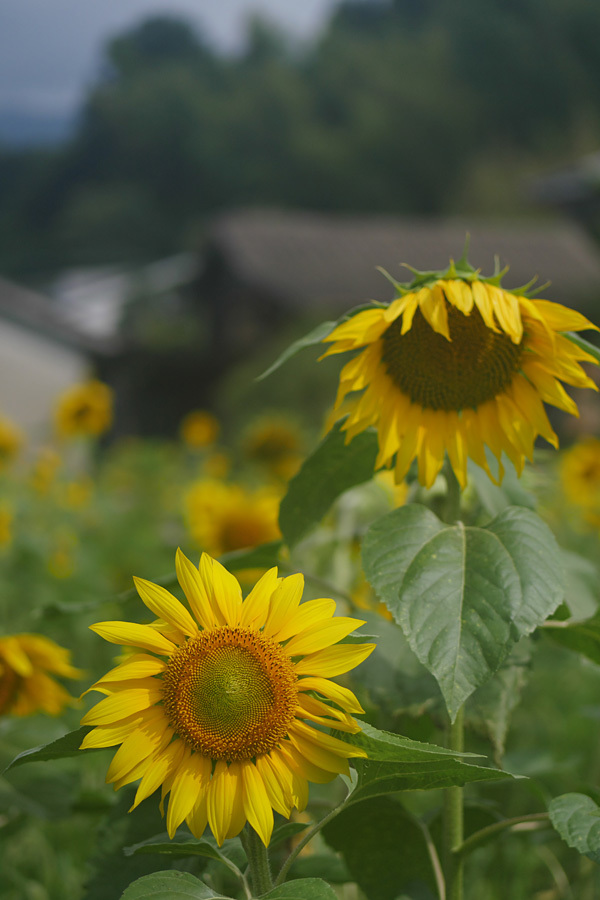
[133, 635]
[432, 304]
[310, 613]
[194, 589]
[354, 329]
[340, 695]
[139, 665]
[164, 605]
[459, 294]
[334, 660]
[257, 807]
[189, 784]
[197, 819]
[304, 769]
[148, 738]
[284, 602]
[561, 318]
[550, 390]
[120, 705]
[279, 798]
[109, 735]
[322, 714]
[256, 605]
[159, 769]
[318, 755]
[227, 593]
[507, 311]
[222, 799]
[286, 768]
[321, 635]
[16, 657]
[484, 304]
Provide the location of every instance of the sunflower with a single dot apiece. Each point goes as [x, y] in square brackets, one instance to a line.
[84, 410]
[199, 429]
[223, 517]
[11, 440]
[27, 662]
[275, 443]
[453, 364]
[219, 706]
[580, 473]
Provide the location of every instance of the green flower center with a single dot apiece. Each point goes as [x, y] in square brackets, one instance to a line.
[472, 368]
[230, 693]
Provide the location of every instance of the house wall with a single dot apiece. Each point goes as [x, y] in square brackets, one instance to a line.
[34, 369]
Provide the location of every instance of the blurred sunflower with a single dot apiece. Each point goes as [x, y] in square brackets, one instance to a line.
[84, 410]
[452, 364]
[6, 522]
[274, 443]
[224, 517]
[11, 441]
[580, 473]
[221, 712]
[44, 470]
[199, 429]
[27, 662]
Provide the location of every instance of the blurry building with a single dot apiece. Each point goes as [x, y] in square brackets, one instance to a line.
[164, 335]
[40, 355]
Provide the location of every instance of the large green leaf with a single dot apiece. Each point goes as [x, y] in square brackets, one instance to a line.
[577, 819]
[333, 468]
[383, 847]
[464, 596]
[67, 745]
[396, 764]
[185, 847]
[168, 885]
[301, 889]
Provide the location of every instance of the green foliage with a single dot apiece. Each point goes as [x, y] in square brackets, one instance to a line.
[582, 637]
[167, 885]
[302, 889]
[463, 596]
[577, 819]
[62, 747]
[383, 846]
[333, 468]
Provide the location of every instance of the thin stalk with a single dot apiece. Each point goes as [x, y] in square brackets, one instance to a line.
[452, 505]
[454, 819]
[490, 831]
[308, 836]
[434, 859]
[258, 861]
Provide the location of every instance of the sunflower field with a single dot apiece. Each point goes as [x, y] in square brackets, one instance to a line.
[359, 658]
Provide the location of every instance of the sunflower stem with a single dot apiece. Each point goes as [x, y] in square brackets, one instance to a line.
[258, 861]
[452, 505]
[453, 818]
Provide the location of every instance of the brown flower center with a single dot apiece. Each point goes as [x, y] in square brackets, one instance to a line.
[475, 366]
[230, 693]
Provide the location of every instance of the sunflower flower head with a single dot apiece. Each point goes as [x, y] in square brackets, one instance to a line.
[223, 517]
[11, 441]
[580, 474]
[28, 664]
[84, 410]
[454, 364]
[223, 705]
[199, 428]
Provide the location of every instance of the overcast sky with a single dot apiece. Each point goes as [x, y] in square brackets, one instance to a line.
[49, 49]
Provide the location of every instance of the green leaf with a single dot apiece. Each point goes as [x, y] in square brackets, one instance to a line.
[582, 637]
[383, 847]
[577, 819]
[463, 596]
[183, 847]
[309, 340]
[168, 885]
[333, 468]
[583, 344]
[68, 745]
[301, 889]
[490, 708]
[495, 498]
[389, 747]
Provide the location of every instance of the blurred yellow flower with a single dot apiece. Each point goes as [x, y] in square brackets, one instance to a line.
[27, 662]
[276, 444]
[580, 473]
[6, 520]
[84, 410]
[11, 441]
[364, 598]
[199, 428]
[454, 364]
[223, 517]
[45, 468]
[227, 704]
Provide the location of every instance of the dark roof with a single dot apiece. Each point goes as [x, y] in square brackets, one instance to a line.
[38, 313]
[312, 259]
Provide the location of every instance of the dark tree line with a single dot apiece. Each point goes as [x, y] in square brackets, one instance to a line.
[408, 106]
